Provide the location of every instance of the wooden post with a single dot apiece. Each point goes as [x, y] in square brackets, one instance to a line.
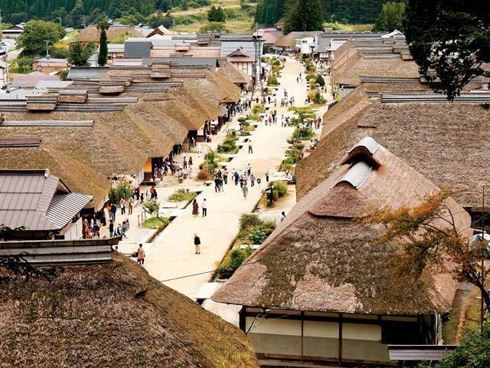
[302, 334]
[340, 338]
[243, 319]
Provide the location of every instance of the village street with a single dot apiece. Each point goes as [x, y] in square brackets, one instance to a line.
[171, 257]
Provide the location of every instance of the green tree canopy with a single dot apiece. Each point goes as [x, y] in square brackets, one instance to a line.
[213, 27]
[216, 14]
[79, 53]
[304, 15]
[102, 57]
[36, 33]
[392, 17]
[449, 40]
[473, 352]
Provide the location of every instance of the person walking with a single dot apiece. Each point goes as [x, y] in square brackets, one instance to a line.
[225, 175]
[184, 163]
[190, 162]
[111, 228]
[250, 148]
[267, 176]
[245, 190]
[249, 169]
[252, 180]
[130, 206]
[140, 254]
[122, 204]
[236, 177]
[195, 208]
[113, 212]
[197, 244]
[204, 206]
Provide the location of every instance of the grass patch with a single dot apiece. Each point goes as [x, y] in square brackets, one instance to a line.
[336, 26]
[156, 223]
[182, 195]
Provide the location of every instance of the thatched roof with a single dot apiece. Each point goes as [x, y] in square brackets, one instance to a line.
[112, 315]
[92, 34]
[77, 175]
[231, 72]
[446, 142]
[323, 258]
[376, 67]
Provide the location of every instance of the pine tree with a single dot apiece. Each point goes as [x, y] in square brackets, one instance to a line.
[391, 17]
[305, 15]
[102, 58]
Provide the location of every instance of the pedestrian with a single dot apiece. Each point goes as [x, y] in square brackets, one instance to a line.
[236, 177]
[258, 182]
[142, 198]
[283, 216]
[197, 244]
[204, 206]
[267, 176]
[111, 228]
[190, 163]
[130, 206]
[122, 203]
[216, 184]
[225, 175]
[113, 211]
[249, 169]
[250, 148]
[195, 208]
[252, 180]
[245, 190]
[184, 163]
[140, 255]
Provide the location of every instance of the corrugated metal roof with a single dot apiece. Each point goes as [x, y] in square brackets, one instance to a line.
[86, 73]
[29, 198]
[419, 352]
[248, 47]
[64, 207]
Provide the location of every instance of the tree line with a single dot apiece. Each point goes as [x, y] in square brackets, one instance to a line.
[77, 12]
[270, 12]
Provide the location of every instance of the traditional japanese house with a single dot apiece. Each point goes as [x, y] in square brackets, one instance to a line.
[101, 309]
[34, 204]
[445, 142]
[322, 288]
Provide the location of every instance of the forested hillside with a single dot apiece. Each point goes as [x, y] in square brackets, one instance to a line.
[345, 11]
[74, 12]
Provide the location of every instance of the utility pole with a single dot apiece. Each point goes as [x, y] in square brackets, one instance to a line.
[484, 249]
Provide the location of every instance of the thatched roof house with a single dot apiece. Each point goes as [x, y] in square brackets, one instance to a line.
[323, 288]
[115, 121]
[322, 258]
[445, 142]
[232, 73]
[111, 315]
[92, 34]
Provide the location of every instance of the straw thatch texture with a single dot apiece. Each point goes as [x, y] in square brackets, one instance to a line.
[79, 177]
[323, 258]
[446, 142]
[376, 68]
[231, 72]
[92, 34]
[220, 86]
[112, 315]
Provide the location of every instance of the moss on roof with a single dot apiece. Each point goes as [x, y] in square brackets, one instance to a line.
[112, 315]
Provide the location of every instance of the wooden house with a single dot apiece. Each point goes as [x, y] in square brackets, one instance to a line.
[37, 204]
[323, 289]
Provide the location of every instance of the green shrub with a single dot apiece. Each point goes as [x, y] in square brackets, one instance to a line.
[320, 81]
[233, 259]
[229, 144]
[302, 134]
[249, 220]
[211, 162]
[182, 195]
[272, 80]
[151, 206]
[258, 108]
[280, 188]
[156, 223]
[122, 190]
